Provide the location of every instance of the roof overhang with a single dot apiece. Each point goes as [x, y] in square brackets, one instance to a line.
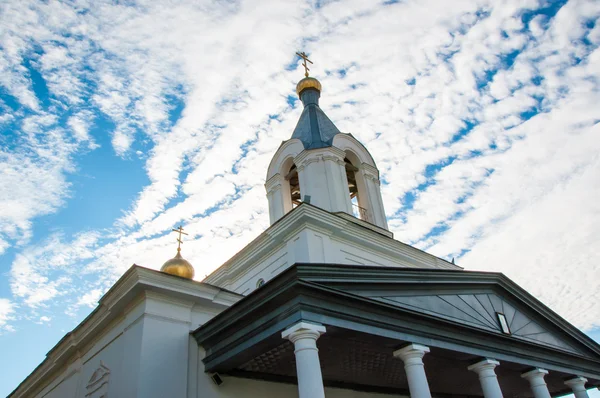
[248, 335]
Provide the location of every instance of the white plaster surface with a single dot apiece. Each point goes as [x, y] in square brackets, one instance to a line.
[315, 244]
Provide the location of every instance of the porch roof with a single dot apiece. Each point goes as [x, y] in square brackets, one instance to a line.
[371, 311]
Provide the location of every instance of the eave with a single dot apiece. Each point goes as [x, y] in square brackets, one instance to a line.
[321, 293]
[111, 306]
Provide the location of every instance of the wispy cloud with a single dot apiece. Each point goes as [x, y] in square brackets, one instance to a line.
[481, 118]
[6, 314]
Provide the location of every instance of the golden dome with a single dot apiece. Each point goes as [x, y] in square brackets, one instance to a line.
[178, 266]
[308, 82]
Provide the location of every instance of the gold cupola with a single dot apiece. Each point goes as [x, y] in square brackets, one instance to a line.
[307, 82]
[178, 265]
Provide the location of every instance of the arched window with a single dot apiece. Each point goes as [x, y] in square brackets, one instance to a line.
[292, 179]
[356, 187]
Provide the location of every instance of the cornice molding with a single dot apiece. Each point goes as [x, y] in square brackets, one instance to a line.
[311, 155]
[335, 225]
[273, 182]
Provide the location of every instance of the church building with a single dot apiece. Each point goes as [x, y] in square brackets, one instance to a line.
[324, 303]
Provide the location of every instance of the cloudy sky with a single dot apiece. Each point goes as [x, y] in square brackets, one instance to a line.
[121, 120]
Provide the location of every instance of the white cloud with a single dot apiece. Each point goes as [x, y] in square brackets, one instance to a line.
[90, 299]
[6, 314]
[414, 74]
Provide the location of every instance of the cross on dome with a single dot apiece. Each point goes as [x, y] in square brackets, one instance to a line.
[178, 266]
[305, 58]
[179, 241]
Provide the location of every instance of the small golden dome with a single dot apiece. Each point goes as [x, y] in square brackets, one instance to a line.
[308, 82]
[178, 266]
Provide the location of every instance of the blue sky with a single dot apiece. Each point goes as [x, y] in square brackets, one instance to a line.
[119, 121]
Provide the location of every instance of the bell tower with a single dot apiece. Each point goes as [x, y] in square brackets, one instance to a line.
[322, 166]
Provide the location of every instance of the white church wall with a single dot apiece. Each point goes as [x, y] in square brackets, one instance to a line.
[112, 349]
[309, 235]
[148, 352]
[163, 363]
[314, 245]
[67, 387]
[245, 282]
[351, 253]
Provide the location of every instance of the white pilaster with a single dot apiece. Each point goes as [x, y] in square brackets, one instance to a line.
[279, 197]
[487, 377]
[577, 384]
[370, 175]
[308, 367]
[535, 378]
[412, 356]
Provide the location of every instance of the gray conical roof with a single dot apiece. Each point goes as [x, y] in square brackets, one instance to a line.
[314, 128]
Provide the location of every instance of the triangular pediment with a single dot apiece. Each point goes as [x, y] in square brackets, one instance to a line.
[482, 311]
[464, 298]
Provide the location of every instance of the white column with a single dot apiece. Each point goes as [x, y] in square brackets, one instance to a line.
[577, 384]
[308, 367]
[412, 356]
[535, 378]
[487, 377]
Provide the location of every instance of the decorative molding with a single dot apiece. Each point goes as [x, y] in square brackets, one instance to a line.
[347, 142]
[328, 151]
[97, 385]
[288, 149]
[272, 182]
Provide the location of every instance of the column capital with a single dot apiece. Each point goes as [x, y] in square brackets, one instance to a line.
[534, 374]
[486, 364]
[535, 377]
[274, 182]
[411, 351]
[412, 356]
[303, 330]
[577, 383]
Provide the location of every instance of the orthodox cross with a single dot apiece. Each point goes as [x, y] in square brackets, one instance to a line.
[179, 241]
[305, 58]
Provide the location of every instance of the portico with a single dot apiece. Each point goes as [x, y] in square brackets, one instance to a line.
[327, 326]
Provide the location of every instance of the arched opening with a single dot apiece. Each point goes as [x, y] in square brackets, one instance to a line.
[294, 182]
[356, 187]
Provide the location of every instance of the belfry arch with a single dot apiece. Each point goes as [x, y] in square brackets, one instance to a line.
[292, 184]
[363, 180]
[283, 188]
[356, 186]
